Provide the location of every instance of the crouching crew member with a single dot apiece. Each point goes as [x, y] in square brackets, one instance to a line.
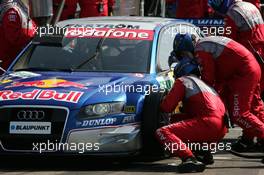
[201, 122]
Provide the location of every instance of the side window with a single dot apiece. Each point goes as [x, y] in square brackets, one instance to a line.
[165, 43]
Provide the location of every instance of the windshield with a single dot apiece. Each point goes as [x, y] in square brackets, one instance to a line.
[88, 54]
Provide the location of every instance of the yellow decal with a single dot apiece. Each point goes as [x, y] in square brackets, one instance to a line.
[130, 109]
[5, 81]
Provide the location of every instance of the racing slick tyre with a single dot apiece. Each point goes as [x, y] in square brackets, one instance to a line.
[151, 121]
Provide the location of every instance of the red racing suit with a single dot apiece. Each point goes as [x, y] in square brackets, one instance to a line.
[235, 73]
[247, 26]
[16, 30]
[68, 10]
[255, 2]
[196, 8]
[202, 122]
[90, 8]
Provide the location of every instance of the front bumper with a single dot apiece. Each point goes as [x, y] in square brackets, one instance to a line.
[124, 138]
[112, 140]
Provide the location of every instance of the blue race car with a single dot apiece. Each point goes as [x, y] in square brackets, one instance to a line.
[95, 89]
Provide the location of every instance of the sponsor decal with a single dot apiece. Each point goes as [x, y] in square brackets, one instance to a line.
[236, 109]
[139, 75]
[12, 17]
[129, 119]
[206, 22]
[211, 27]
[109, 33]
[4, 81]
[21, 74]
[30, 128]
[70, 97]
[99, 122]
[24, 74]
[167, 81]
[106, 26]
[49, 83]
[162, 82]
[130, 109]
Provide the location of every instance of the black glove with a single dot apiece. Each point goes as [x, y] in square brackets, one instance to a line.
[172, 58]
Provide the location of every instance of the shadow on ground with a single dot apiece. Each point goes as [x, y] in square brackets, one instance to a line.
[29, 164]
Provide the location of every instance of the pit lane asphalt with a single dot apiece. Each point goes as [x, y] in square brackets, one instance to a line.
[225, 164]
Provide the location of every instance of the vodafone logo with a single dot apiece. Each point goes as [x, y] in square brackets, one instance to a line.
[109, 33]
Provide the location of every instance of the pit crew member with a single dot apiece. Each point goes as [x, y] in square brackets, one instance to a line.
[68, 10]
[235, 73]
[201, 122]
[247, 28]
[246, 24]
[16, 29]
[196, 8]
[96, 8]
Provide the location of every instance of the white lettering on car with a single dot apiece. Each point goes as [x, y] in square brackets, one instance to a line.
[99, 122]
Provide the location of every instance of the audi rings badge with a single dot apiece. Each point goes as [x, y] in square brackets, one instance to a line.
[31, 115]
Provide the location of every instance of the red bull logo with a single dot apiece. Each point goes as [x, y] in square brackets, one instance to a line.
[70, 97]
[49, 83]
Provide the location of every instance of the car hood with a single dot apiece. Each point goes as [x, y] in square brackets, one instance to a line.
[72, 90]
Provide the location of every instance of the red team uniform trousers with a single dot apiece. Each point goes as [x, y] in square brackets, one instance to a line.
[235, 73]
[202, 121]
[90, 8]
[68, 10]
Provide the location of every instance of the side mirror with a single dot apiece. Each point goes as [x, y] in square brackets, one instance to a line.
[1, 69]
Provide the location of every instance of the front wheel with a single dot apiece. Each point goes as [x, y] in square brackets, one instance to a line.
[151, 121]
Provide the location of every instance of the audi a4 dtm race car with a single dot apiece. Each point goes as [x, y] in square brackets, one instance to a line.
[95, 89]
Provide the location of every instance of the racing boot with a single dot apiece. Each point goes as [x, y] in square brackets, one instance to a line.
[191, 165]
[243, 145]
[205, 157]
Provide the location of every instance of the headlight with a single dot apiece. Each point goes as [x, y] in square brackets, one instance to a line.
[101, 109]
